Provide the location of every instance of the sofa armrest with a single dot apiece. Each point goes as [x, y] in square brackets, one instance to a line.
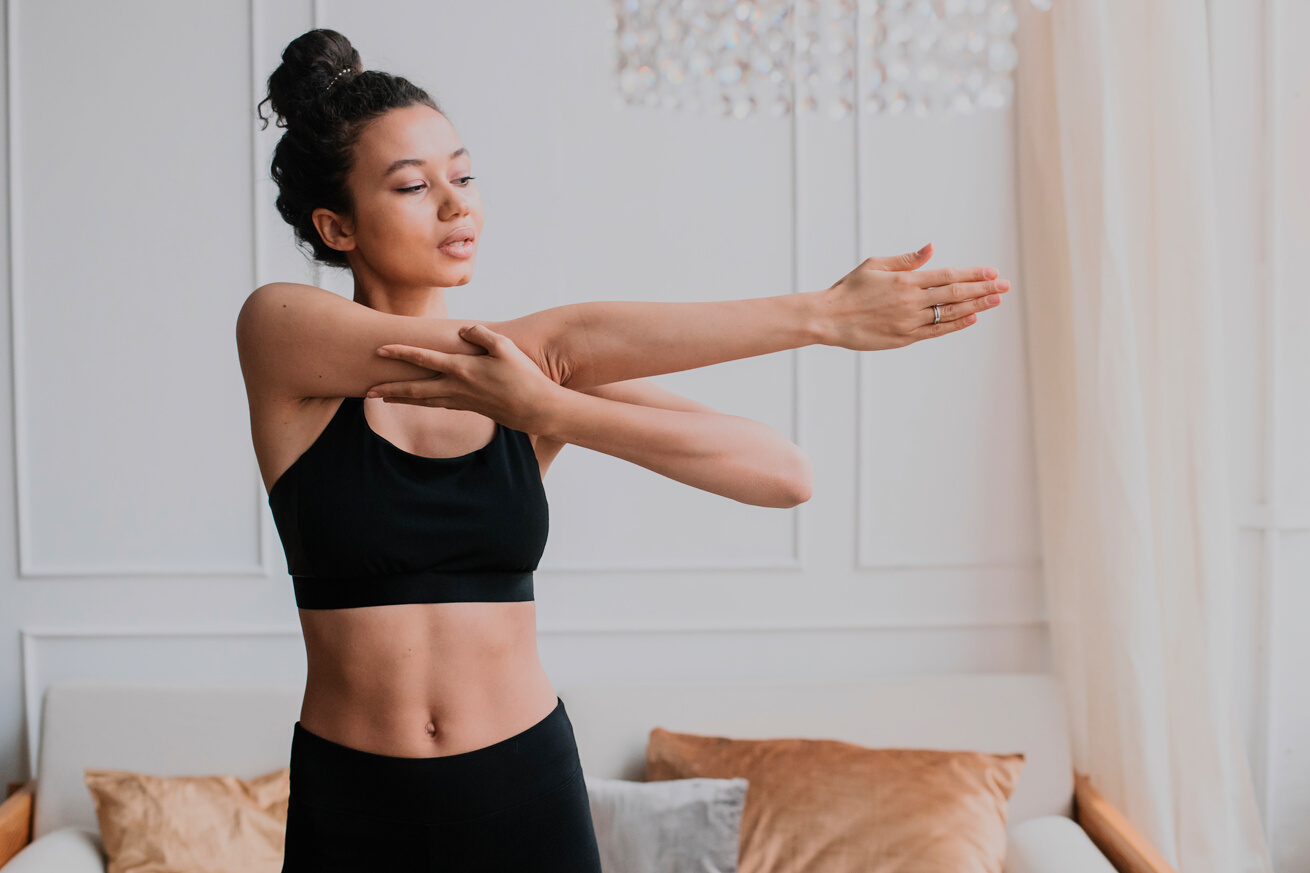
[65, 850]
[1127, 849]
[16, 821]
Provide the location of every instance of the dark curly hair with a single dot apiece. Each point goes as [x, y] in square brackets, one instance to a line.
[324, 98]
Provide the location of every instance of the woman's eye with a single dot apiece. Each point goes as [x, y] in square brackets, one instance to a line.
[464, 179]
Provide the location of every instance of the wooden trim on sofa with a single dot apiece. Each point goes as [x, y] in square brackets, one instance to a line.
[1120, 842]
[16, 819]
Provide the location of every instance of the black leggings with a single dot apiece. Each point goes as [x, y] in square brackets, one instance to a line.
[517, 805]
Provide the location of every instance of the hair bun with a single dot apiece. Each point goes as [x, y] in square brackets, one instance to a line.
[325, 112]
[310, 64]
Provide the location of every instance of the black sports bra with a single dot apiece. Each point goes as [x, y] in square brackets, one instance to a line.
[365, 523]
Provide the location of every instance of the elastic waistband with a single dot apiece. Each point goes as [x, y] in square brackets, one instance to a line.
[422, 586]
[443, 789]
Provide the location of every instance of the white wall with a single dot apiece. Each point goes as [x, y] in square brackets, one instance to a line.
[140, 215]
[1286, 527]
[1261, 81]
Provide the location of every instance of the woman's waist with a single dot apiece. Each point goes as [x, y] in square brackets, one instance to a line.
[423, 695]
[521, 762]
[428, 721]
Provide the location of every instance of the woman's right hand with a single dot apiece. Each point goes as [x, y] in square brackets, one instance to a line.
[886, 303]
[503, 383]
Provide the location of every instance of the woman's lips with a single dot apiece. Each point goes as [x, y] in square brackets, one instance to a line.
[458, 249]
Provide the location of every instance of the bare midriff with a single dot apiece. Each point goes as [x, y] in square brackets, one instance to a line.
[422, 680]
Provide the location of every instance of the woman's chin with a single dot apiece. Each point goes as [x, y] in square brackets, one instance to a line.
[452, 278]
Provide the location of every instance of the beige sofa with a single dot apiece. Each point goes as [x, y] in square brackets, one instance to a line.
[1056, 822]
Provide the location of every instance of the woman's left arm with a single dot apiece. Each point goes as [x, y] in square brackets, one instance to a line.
[728, 455]
[714, 451]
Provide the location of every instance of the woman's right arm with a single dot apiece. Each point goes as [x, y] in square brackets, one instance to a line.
[297, 341]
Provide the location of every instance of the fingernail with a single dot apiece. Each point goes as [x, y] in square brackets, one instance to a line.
[384, 353]
[373, 392]
[922, 250]
[993, 298]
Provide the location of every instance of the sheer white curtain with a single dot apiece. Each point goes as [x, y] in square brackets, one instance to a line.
[1118, 244]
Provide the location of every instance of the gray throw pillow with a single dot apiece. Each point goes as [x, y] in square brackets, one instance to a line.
[671, 826]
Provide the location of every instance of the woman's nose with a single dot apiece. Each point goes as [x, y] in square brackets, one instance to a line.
[456, 205]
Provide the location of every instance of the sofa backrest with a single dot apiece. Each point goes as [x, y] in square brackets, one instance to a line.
[165, 730]
[170, 730]
[996, 713]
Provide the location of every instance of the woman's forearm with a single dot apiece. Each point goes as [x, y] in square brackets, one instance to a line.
[728, 455]
[609, 341]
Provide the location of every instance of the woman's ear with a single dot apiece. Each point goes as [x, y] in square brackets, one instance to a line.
[334, 231]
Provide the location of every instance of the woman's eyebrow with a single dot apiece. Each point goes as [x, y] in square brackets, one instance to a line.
[419, 162]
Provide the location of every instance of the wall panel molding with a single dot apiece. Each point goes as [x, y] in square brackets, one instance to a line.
[28, 564]
[34, 638]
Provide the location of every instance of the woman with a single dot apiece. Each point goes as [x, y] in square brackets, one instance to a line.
[430, 737]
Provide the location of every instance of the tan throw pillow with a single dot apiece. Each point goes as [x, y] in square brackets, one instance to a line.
[191, 824]
[827, 806]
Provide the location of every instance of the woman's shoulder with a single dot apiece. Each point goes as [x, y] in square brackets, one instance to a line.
[298, 341]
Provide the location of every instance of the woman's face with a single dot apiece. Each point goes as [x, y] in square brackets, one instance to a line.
[412, 189]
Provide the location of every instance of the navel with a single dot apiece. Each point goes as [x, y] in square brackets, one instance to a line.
[432, 729]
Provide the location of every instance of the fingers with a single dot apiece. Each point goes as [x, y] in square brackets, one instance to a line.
[441, 362]
[930, 330]
[953, 311]
[430, 358]
[959, 292]
[480, 334]
[951, 275]
[419, 388]
[956, 316]
[434, 402]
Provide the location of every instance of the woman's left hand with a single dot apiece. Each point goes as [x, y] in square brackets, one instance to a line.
[504, 384]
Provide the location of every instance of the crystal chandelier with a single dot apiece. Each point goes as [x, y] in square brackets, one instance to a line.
[739, 58]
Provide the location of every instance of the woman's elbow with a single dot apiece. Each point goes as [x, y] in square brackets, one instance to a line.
[796, 486]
